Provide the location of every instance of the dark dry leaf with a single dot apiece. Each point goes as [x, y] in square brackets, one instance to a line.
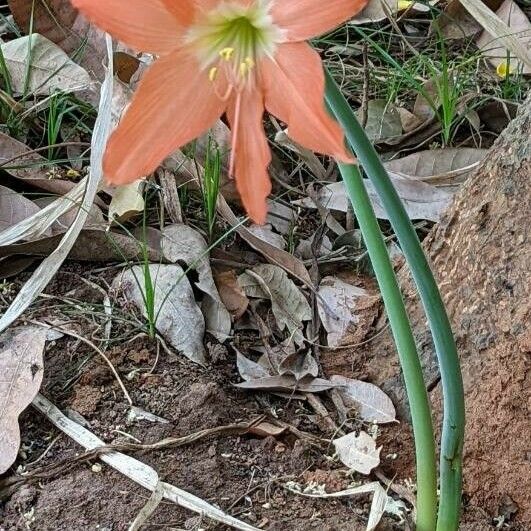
[31, 168]
[21, 371]
[371, 403]
[287, 383]
[231, 293]
[92, 245]
[14, 207]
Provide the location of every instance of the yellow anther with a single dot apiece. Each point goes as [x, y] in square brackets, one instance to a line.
[213, 74]
[226, 54]
[244, 69]
[249, 62]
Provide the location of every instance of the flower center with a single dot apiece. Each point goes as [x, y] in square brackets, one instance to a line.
[234, 37]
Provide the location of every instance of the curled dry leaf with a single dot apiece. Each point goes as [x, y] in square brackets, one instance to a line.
[289, 305]
[50, 68]
[371, 403]
[340, 305]
[422, 201]
[14, 207]
[231, 293]
[296, 375]
[127, 201]
[287, 383]
[495, 42]
[31, 167]
[21, 371]
[181, 243]
[178, 318]
[358, 452]
[265, 233]
[61, 23]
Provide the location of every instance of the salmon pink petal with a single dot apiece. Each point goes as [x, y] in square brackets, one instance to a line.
[251, 152]
[304, 19]
[175, 103]
[144, 25]
[294, 92]
[182, 10]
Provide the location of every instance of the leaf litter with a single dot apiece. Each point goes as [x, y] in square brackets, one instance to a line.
[283, 291]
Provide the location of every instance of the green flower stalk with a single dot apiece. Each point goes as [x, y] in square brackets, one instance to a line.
[451, 379]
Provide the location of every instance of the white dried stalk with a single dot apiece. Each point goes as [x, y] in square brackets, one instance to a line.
[139, 472]
[47, 269]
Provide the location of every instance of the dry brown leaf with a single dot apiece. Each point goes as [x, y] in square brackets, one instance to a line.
[265, 233]
[21, 371]
[181, 243]
[127, 201]
[14, 207]
[50, 68]
[436, 164]
[287, 383]
[92, 245]
[378, 10]
[371, 403]
[273, 255]
[231, 293]
[58, 21]
[339, 305]
[358, 452]
[31, 168]
[289, 305]
[509, 29]
[421, 200]
[178, 317]
[383, 121]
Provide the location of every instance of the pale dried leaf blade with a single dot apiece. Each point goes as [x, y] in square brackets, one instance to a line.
[127, 201]
[372, 404]
[14, 207]
[287, 383]
[181, 243]
[21, 372]
[289, 305]
[135, 470]
[499, 30]
[437, 162]
[178, 317]
[50, 67]
[358, 452]
[87, 192]
[339, 305]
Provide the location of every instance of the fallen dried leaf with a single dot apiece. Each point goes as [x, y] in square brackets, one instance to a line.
[21, 371]
[14, 207]
[289, 305]
[231, 293]
[358, 452]
[50, 67]
[339, 304]
[181, 243]
[371, 403]
[177, 316]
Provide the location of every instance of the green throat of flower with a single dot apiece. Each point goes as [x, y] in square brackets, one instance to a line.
[232, 38]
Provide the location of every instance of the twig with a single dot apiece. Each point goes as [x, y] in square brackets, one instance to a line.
[93, 346]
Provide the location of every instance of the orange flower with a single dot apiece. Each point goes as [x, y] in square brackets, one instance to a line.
[237, 57]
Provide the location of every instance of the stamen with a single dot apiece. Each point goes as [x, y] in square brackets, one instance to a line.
[213, 74]
[226, 54]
